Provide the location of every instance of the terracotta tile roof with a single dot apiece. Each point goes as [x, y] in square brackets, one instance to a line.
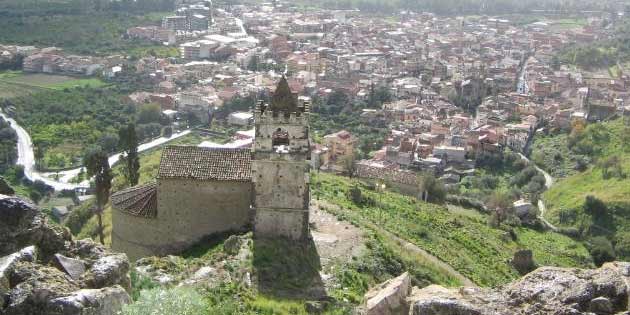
[139, 201]
[229, 164]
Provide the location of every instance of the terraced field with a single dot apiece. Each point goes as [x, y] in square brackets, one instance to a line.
[15, 83]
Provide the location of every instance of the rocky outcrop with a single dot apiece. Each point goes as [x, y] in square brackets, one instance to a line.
[44, 271]
[389, 297]
[547, 290]
[544, 291]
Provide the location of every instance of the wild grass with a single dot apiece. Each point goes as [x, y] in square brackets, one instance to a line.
[467, 243]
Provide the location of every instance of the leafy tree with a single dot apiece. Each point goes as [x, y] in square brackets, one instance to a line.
[601, 250]
[167, 132]
[97, 165]
[356, 195]
[611, 167]
[595, 206]
[431, 189]
[129, 155]
[149, 113]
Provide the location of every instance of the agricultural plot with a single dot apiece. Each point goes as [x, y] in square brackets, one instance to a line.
[46, 81]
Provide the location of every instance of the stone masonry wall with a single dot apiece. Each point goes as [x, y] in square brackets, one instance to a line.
[188, 210]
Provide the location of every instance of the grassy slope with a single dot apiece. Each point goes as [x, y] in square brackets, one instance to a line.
[553, 155]
[569, 194]
[465, 242]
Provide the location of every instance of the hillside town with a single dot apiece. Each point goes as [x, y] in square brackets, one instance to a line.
[339, 130]
[458, 89]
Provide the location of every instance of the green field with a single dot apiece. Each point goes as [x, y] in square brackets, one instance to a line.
[568, 24]
[464, 241]
[29, 81]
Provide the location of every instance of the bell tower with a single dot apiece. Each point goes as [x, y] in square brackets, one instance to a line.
[280, 166]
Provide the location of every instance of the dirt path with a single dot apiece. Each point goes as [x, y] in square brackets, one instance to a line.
[317, 205]
[336, 241]
[541, 203]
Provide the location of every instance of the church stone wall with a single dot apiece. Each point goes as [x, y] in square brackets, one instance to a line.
[188, 210]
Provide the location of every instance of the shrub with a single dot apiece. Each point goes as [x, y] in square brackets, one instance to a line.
[594, 206]
[355, 195]
[622, 245]
[601, 250]
[181, 301]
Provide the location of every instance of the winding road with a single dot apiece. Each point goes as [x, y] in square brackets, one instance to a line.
[541, 204]
[26, 158]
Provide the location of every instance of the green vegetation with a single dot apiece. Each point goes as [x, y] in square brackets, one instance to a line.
[595, 202]
[182, 300]
[82, 27]
[498, 182]
[338, 111]
[65, 124]
[458, 7]
[285, 277]
[552, 153]
[604, 53]
[47, 81]
[466, 242]
[8, 146]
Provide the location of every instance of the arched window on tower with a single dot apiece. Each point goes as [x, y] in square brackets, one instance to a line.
[280, 137]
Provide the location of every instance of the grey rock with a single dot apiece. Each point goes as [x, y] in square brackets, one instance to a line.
[601, 306]
[544, 291]
[389, 297]
[71, 266]
[444, 307]
[54, 275]
[7, 263]
[314, 307]
[108, 271]
[33, 285]
[22, 224]
[106, 301]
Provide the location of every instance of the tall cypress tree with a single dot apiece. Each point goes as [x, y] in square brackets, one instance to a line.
[97, 165]
[129, 147]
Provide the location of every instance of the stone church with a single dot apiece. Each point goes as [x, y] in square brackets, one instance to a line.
[204, 191]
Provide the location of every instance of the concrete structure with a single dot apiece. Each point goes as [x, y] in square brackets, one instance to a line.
[341, 146]
[240, 118]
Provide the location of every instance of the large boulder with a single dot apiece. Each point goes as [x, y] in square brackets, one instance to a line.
[108, 300]
[389, 297]
[43, 271]
[22, 225]
[108, 271]
[436, 300]
[8, 263]
[545, 291]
